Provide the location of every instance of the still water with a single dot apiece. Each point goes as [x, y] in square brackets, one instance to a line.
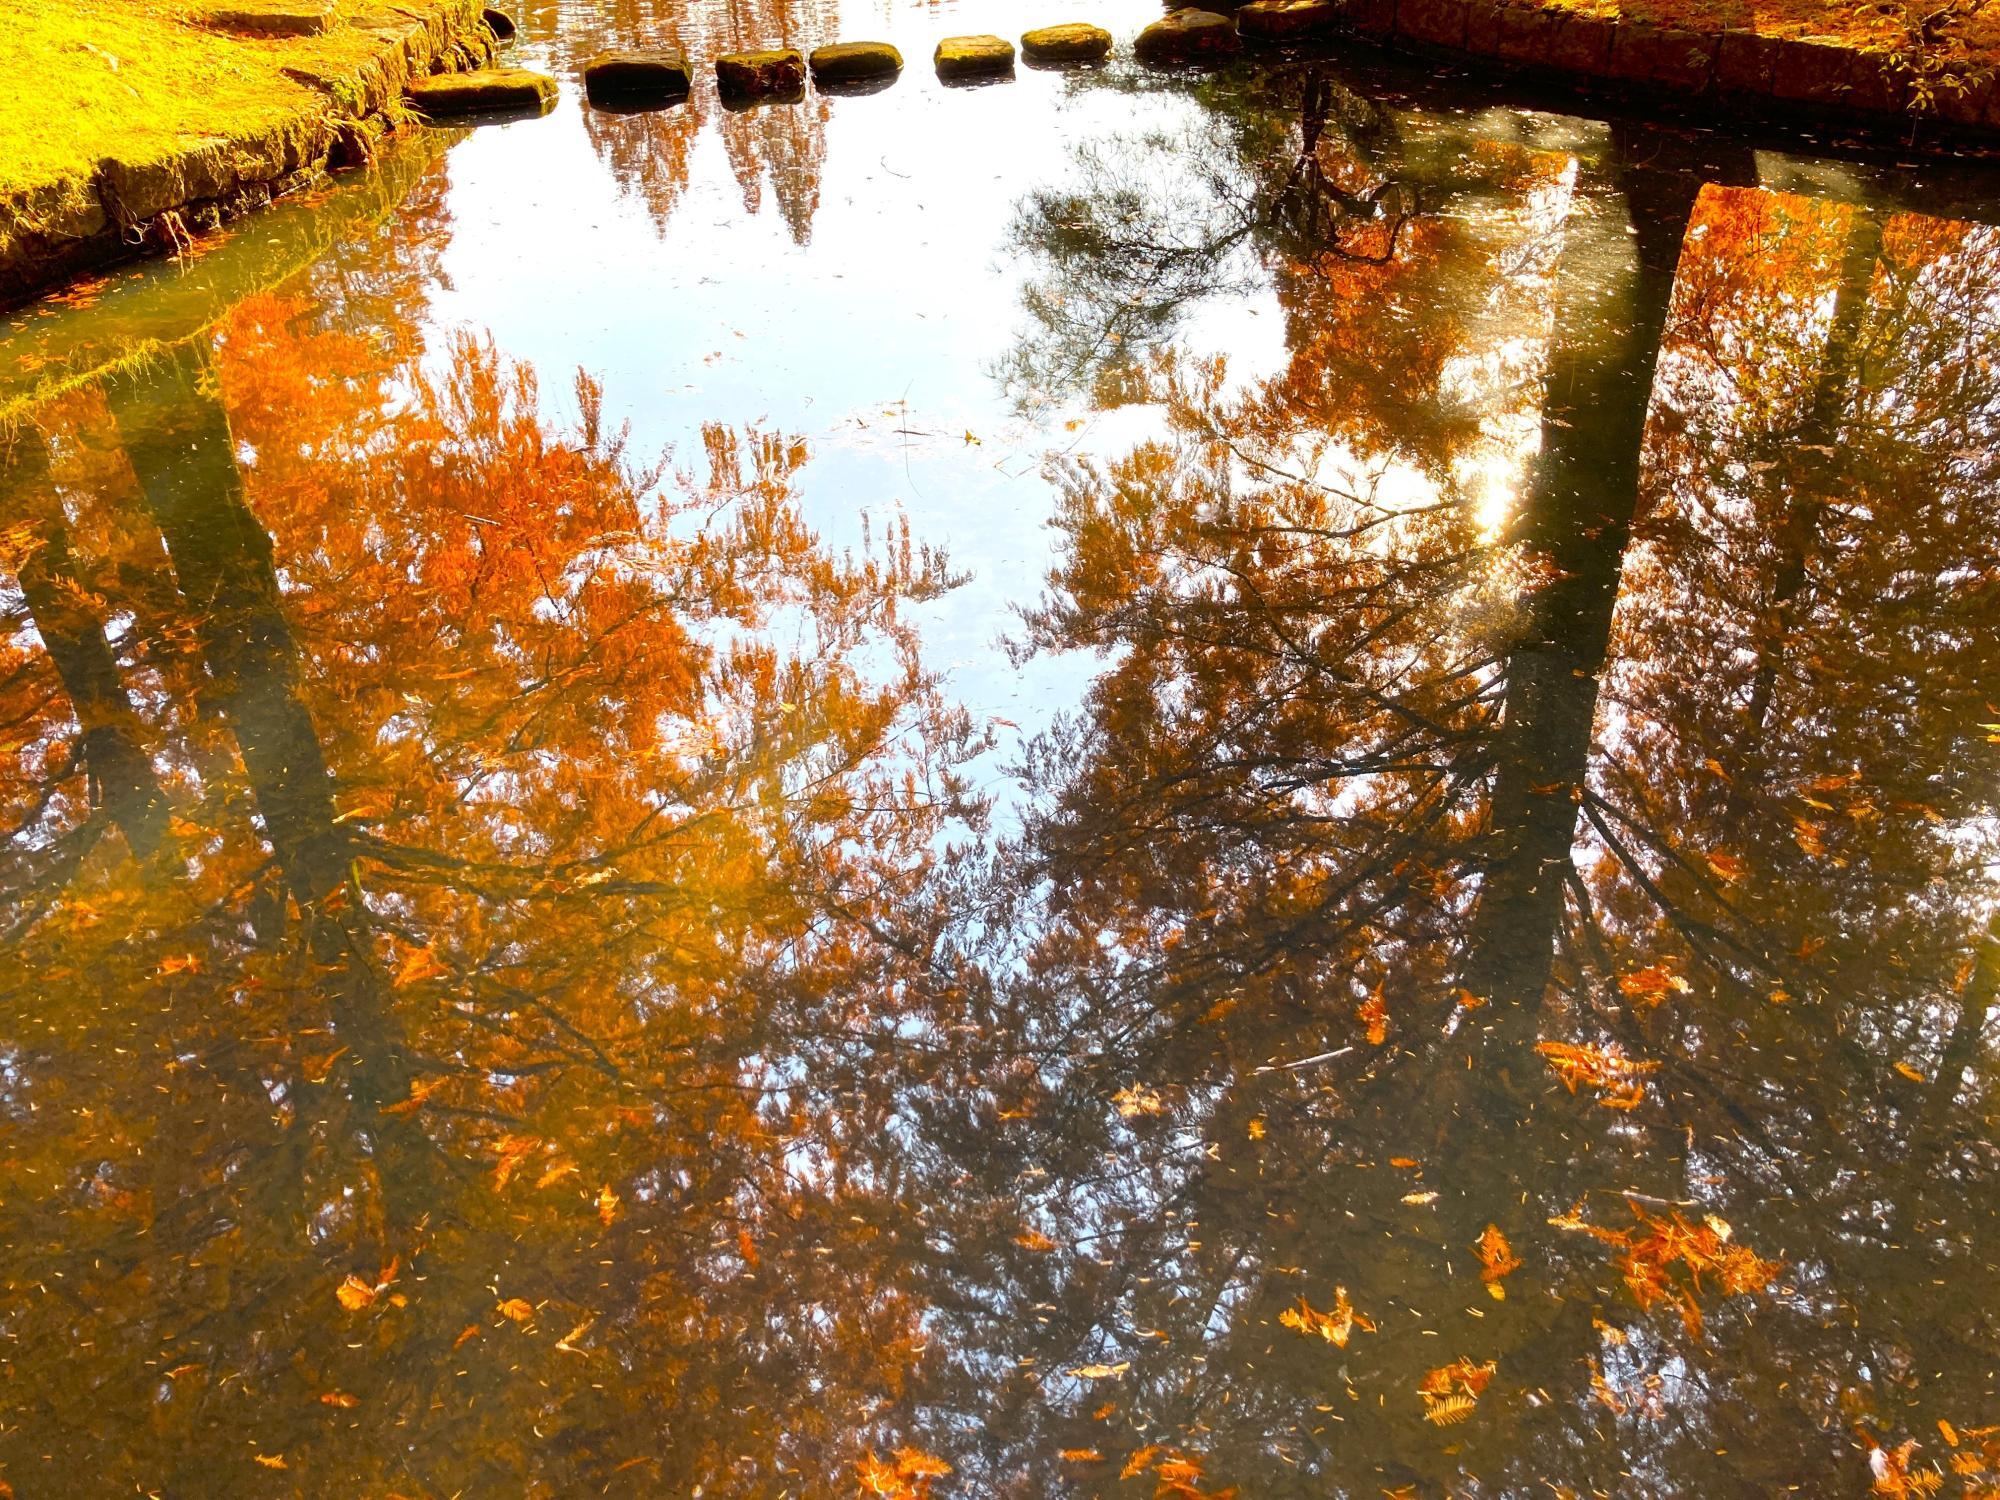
[1277, 784]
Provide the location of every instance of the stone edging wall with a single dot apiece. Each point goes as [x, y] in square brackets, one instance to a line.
[59, 230]
[1729, 66]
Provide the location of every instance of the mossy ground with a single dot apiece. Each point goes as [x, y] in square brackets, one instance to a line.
[81, 80]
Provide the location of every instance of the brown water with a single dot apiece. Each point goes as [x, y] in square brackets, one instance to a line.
[1162, 787]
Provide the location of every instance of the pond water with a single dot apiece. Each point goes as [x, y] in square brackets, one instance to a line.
[1276, 783]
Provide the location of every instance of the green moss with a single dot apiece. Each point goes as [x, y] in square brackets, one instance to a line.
[142, 80]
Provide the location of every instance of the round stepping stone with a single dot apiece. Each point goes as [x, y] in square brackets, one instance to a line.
[481, 93]
[1075, 41]
[658, 76]
[854, 62]
[973, 57]
[760, 75]
[1286, 20]
[1188, 36]
[499, 23]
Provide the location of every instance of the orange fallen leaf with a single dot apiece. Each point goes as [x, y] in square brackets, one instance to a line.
[517, 1309]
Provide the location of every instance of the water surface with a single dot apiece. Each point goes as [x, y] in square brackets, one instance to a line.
[1122, 784]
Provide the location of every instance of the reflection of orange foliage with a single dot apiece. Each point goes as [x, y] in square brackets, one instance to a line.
[1605, 1068]
[904, 1475]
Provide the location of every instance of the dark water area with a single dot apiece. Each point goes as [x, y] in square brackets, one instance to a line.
[1271, 784]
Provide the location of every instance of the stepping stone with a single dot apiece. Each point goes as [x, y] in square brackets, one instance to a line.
[1076, 41]
[973, 57]
[1286, 20]
[499, 23]
[1188, 36]
[659, 76]
[760, 75]
[446, 94]
[278, 19]
[854, 62]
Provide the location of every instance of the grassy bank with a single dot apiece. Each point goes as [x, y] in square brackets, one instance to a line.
[114, 113]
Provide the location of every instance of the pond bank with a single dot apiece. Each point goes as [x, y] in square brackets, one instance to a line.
[1884, 68]
[165, 117]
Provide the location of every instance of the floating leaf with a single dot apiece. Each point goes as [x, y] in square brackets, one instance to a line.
[1374, 1016]
[420, 964]
[1335, 1326]
[1138, 1100]
[1496, 1261]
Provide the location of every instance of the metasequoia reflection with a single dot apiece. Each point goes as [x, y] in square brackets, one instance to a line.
[1431, 1078]
[516, 912]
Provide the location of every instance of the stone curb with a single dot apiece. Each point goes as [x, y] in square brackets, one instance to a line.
[1796, 75]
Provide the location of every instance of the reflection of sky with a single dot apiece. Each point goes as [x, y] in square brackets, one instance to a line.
[875, 341]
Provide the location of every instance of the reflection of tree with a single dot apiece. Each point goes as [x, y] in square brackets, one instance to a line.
[67, 617]
[1322, 810]
[651, 152]
[590, 901]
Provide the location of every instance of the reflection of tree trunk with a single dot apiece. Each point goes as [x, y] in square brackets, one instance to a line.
[1807, 499]
[118, 767]
[1611, 310]
[1976, 1000]
[176, 435]
[1493, 1155]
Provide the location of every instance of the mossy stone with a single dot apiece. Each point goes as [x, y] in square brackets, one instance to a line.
[758, 75]
[974, 57]
[1189, 36]
[1075, 41]
[1286, 20]
[273, 18]
[445, 94]
[850, 62]
[658, 76]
